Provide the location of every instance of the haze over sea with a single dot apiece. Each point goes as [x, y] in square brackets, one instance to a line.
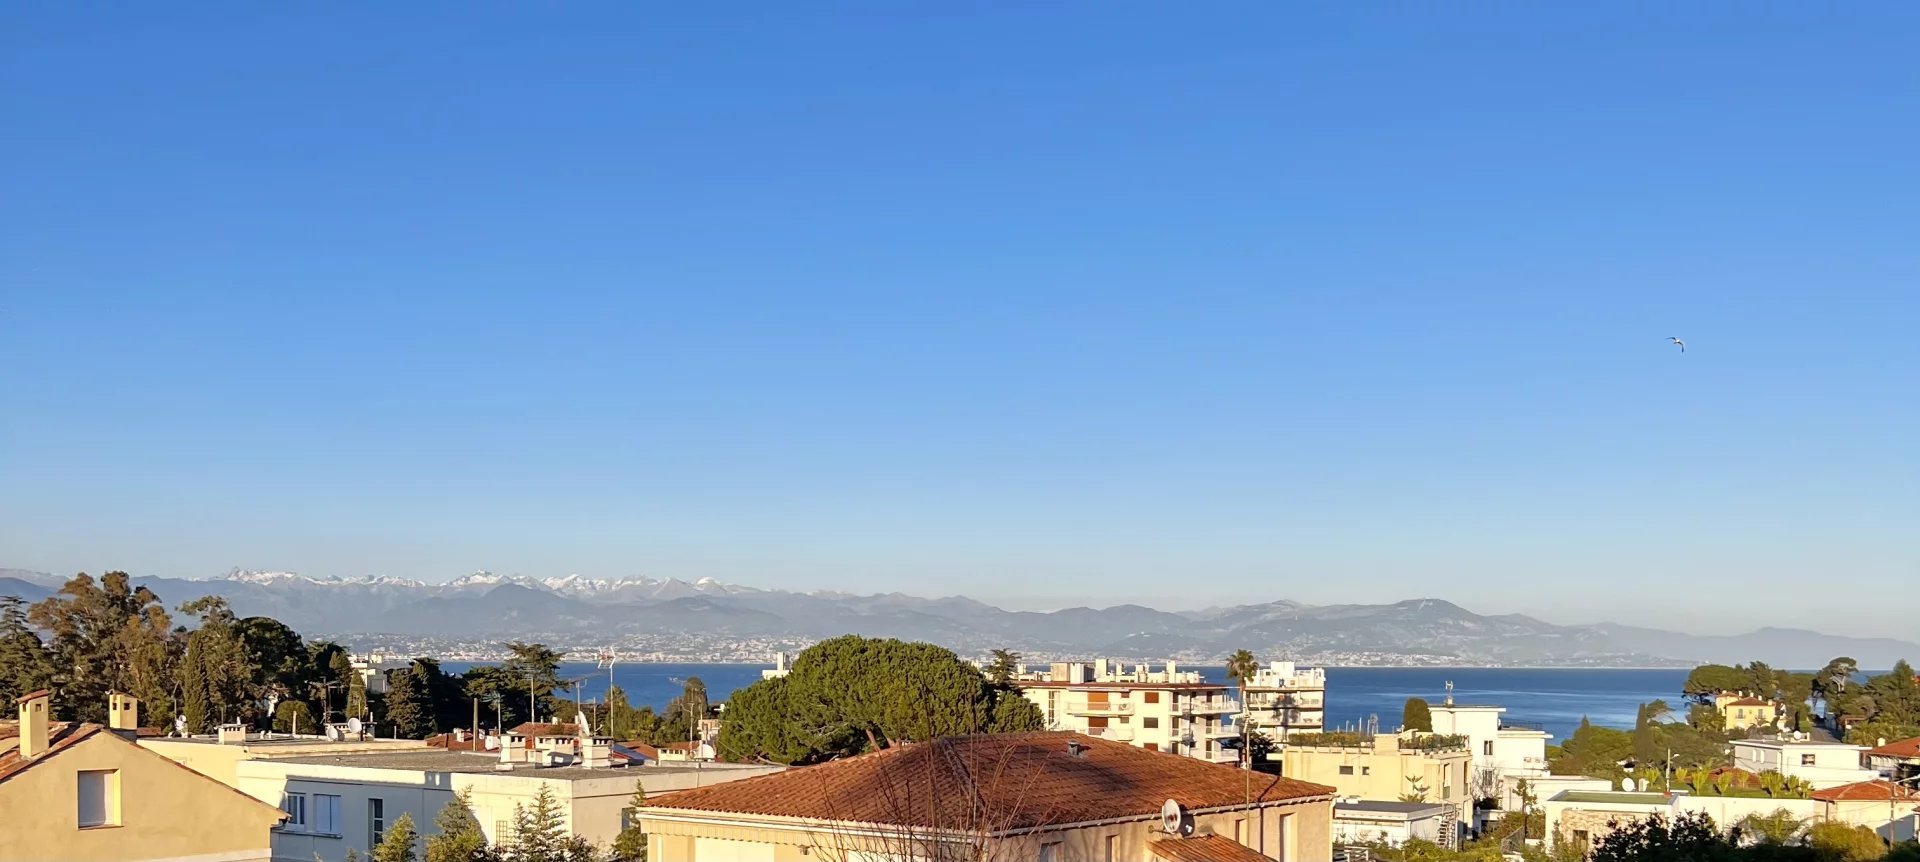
[1553, 699]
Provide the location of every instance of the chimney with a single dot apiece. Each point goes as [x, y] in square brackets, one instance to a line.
[123, 714]
[596, 753]
[33, 724]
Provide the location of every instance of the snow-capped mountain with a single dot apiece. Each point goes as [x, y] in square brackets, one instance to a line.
[572, 608]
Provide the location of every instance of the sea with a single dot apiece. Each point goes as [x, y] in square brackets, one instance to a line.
[1552, 699]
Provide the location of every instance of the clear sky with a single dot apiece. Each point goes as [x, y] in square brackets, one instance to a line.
[1045, 303]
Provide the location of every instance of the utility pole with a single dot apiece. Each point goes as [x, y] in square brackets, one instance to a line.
[476, 721]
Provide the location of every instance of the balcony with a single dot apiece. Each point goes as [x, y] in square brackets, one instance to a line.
[1117, 734]
[1219, 755]
[1217, 731]
[1209, 706]
[1118, 707]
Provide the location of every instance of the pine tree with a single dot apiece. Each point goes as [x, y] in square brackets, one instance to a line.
[540, 833]
[409, 705]
[397, 844]
[619, 719]
[631, 846]
[459, 838]
[356, 693]
[25, 664]
[193, 691]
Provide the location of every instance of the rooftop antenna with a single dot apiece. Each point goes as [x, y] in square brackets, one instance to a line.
[607, 658]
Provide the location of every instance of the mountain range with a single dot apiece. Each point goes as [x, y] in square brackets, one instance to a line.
[583, 613]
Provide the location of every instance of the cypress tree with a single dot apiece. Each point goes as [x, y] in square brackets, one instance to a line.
[1416, 715]
[193, 689]
[409, 706]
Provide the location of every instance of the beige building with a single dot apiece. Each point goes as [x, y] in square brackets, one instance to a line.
[1042, 796]
[1283, 699]
[86, 793]
[342, 795]
[1164, 710]
[1432, 767]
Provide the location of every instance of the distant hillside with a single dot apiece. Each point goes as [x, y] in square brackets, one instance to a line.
[588, 612]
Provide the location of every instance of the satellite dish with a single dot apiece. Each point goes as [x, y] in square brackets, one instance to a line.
[1170, 817]
[353, 725]
[1626, 784]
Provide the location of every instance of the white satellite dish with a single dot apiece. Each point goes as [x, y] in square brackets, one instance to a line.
[353, 725]
[1626, 784]
[1170, 817]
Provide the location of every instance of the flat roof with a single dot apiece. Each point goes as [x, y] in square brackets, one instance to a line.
[436, 760]
[1614, 796]
[1784, 743]
[1384, 807]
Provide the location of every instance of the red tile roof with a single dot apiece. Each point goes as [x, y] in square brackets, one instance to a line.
[541, 728]
[1015, 781]
[60, 737]
[64, 735]
[1899, 748]
[1204, 848]
[1866, 791]
[1747, 701]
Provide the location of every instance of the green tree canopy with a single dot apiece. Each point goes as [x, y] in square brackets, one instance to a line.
[409, 705]
[96, 632]
[25, 664]
[458, 837]
[1005, 664]
[851, 693]
[631, 845]
[1417, 715]
[396, 844]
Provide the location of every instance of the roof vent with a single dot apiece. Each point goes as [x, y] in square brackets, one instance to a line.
[1076, 748]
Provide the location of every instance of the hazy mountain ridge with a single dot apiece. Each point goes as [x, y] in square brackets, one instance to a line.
[582, 611]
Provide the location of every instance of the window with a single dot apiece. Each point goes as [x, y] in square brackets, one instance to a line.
[1486, 748]
[626, 819]
[1153, 697]
[295, 804]
[503, 833]
[1151, 746]
[1097, 722]
[99, 798]
[1113, 848]
[376, 821]
[1581, 837]
[1050, 852]
[1806, 760]
[1346, 770]
[1150, 722]
[1240, 830]
[1366, 770]
[326, 814]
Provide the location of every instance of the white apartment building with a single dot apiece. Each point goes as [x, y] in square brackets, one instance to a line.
[336, 803]
[1165, 710]
[1819, 763]
[1284, 699]
[1503, 754]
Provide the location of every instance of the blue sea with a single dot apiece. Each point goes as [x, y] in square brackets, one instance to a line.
[1552, 699]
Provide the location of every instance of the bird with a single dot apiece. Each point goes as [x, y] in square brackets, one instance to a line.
[1678, 343]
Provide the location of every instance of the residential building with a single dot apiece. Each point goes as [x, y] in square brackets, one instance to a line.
[1740, 711]
[1504, 753]
[1165, 710]
[1363, 821]
[218, 757]
[1897, 759]
[341, 802]
[1283, 699]
[1889, 809]
[782, 665]
[1386, 767]
[1581, 818]
[1820, 763]
[86, 793]
[1043, 796]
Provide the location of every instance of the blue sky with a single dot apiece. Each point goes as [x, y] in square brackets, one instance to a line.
[1045, 303]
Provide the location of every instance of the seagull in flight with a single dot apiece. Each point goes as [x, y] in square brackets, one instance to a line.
[1678, 343]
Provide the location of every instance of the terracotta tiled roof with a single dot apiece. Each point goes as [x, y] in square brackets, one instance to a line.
[1204, 848]
[1747, 701]
[1866, 791]
[541, 728]
[1741, 777]
[1020, 781]
[1899, 748]
[446, 741]
[60, 736]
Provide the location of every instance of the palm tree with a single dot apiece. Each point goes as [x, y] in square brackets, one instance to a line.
[1241, 667]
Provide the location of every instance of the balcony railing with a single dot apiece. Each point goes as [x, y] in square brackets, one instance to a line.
[1110, 708]
[1117, 734]
[1208, 706]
